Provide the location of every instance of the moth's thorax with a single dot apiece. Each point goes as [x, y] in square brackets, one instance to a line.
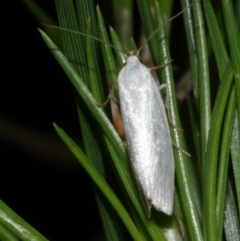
[132, 59]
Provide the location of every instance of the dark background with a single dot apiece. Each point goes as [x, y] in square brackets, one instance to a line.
[40, 179]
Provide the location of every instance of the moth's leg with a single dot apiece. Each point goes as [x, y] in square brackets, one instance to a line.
[110, 96]
[169, 119]
[180, 149]
[161, 66]
[164, 86]
[167, 101]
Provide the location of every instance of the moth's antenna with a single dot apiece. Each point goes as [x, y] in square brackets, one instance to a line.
[83, 34]
[170, 19]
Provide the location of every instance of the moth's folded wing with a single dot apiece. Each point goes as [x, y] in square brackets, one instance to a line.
[163, 163]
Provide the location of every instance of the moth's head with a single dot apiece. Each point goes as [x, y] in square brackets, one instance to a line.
[132, 59]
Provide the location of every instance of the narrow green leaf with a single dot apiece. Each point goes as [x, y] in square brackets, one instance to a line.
[195, 128]
[85, 9]
[116, 42]
[15, 224]
[107, 51]
[235, 154]
[101, 183]
[142, 227]
[73, 44]
[209, 183]
[166, 6]
[6, 235]
[133, 46]
[237, 10]
[224, 161]
[232, 33]
[216, 38]
[149, 27]
[231, 222]
[204, 102]
[212, 152]
[191, 43]
[181, 220]
[123, 17]
[234, 43]
[94, 68]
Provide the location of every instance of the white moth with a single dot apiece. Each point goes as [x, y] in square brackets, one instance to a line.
[147, 131]
[147, 135]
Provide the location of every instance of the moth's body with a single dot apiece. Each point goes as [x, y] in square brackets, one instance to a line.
[147, 134]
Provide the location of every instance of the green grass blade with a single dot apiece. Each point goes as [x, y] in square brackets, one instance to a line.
[95, 69]
[73, 44]
[203, 83]
[231, 222]
[191, 43]
[74, 50]
[212, 153]
[199, 63]
[142, 227]
[195, 127]
[111, 70]
[15, 224]
[101, 183]
[116, 42]
[235, 150]
[224, 161]
[85, 10]
[111, 222]
[234, 43]
[216, 38]
[6, 235]
[181, 220]
[232, 34]
[149, 27]
[123, 18]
